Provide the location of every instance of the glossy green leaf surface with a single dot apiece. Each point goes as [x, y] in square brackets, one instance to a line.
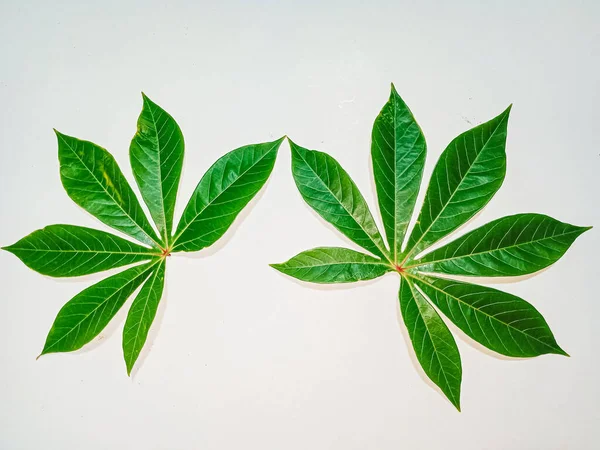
[156, 154]
[86, 314]
[432, 341]
[222, 193]
[398, 152]
[92, 178]
[71, 251]
[141, 315]
[330, 191]
[500, 321]
[333, 265]
[510, 246]
[94, 181]
[466, 177]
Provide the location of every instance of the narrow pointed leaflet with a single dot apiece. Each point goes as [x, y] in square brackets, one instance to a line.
[141, 315]
[398, 151]
[156, 155]
[467, 175]
[432, 341]
[333, 265]
[92, 178]
[222, 193]
[500, 321]
[510, 246]
[71, 251]
[330, 191]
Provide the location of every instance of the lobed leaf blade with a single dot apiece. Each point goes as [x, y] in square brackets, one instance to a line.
[464, 180]
[330, 191]
[500, 321]
[398, 152]
[510, 246]
[224, 190]
[93, 180]
[72, 251]
[333, 265]
[141, 315]
[432, 341]
[156, 155]
[83, 317]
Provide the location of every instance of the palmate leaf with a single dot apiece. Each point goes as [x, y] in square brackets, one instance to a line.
[467, 175]
[92, 178]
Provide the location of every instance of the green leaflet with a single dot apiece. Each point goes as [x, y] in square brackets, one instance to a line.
[431, 339]
[466, 177]
[141, 314]
[86, 314]
[222, 193]
[71, 251]
[330, 191]
[502, 322]
[333, 265]
[510, 246]
[398, 151]
[92, 178]
[156, 155]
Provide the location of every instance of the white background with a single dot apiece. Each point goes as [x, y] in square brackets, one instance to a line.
[241, 356]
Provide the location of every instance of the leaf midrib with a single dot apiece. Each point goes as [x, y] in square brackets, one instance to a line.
[160, 182]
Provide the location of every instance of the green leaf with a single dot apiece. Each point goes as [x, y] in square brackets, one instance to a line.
[510, 246]
[500, 321]
[333, 265]
[71, 251]
[141, 314]
[464, 180]
[222, 193]
[86, 314]
[92, 178]
[433, 344]
[398, 151]
[330, 191]
[156, 155]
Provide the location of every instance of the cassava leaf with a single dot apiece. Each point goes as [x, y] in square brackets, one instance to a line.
[86, 314]
[156, 155]
[432, 341]
[141, 314]
[71, 251]
[466, 177]
[333, 265]
[222, 193]
[500, 321]
[330, 191]
[398, 151]
[92, 178]
[510, 246]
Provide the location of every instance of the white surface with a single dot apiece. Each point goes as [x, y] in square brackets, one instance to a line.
[243, 357]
